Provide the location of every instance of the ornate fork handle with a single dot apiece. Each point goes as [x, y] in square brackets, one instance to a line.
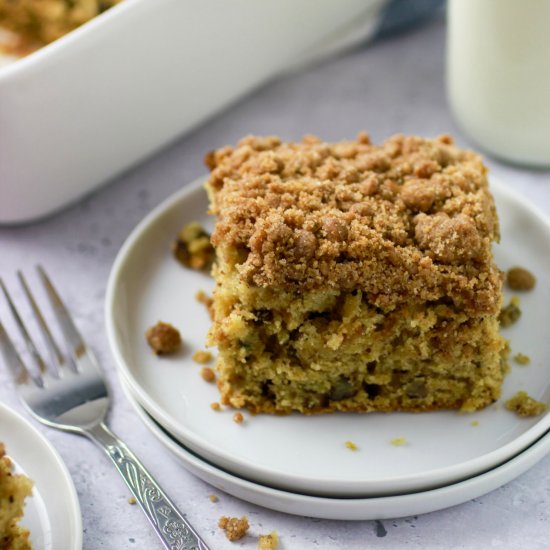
[172, 528]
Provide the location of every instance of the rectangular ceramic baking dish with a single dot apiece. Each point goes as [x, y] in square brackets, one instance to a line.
[86, 107]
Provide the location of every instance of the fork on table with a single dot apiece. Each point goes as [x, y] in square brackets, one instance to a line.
[72, 396]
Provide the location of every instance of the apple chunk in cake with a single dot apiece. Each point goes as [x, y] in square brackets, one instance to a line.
[354, 277]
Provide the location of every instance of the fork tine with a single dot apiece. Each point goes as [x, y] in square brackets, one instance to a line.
[53, 348]
[14, 362]
[74, 340]
[24, 332]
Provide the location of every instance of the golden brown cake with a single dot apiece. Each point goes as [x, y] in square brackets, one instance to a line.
[42, 21]
[354, 277]
[13, 491]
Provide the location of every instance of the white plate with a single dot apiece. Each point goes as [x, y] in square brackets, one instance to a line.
[52, 513]
[308, 454]
[346, 508]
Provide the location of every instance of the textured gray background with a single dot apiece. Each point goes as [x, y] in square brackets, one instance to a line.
[394, 86]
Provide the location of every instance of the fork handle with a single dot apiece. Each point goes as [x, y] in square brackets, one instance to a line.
[172, 528]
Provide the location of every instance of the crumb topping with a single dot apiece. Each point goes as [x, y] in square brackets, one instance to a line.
[519, 278]
[163, 338]
[411, 219]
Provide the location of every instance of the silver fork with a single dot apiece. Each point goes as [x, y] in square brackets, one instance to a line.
[73, 397]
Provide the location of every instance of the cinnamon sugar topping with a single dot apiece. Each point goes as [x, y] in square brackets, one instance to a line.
[411, 220]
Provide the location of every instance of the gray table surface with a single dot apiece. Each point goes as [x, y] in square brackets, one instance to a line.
[394, 86]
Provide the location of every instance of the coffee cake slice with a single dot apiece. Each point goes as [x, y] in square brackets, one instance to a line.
[354, 277]
[14, 488]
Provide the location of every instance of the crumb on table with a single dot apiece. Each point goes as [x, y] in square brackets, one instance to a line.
[522, 359]
[518, 278]
[398, 441]
[208, 375]
[511, 313]
[192, 248]
[202, 357]
[524, 405]
[163, 338]
[268, 542]
[351, 446]
[235, 528]
[238, 418]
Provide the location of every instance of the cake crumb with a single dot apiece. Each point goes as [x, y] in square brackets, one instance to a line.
[518, 278]
[238, 418]
[510, 314]
[203, 298]
[522, 359]
[132, 500]
[268, 542]
[163, 338]
[193, 248]
[215, 406]
[398, 441]
[202, 357]
[235, 528]
[474, 423]
[351, 446]
[208, 375]
[213, 498]
[524, 405]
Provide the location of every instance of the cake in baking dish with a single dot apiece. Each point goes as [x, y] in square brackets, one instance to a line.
[354, 277]
[14, 488]
[43, 21]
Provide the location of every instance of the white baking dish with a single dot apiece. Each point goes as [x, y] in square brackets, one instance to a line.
[96, 101]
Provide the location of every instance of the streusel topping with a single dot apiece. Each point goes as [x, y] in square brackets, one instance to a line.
[411, 219]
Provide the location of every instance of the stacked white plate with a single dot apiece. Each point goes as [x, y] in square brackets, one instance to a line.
[301, 464]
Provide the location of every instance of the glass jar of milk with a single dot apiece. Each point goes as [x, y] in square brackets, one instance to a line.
[498, 76]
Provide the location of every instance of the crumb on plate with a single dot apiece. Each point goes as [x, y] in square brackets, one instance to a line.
[398, 441]
[522, 359]
[202, 357]
[524, 405]
[215, 406]
[213, 498]
[208, 375]
[510, 314]
[163, 338]
[518, 278]
[238, 418]
[192, 248]
[351, 446]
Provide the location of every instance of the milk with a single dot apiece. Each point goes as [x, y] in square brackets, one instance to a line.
[498, 76]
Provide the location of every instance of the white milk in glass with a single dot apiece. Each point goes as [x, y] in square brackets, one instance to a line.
[498, 76]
